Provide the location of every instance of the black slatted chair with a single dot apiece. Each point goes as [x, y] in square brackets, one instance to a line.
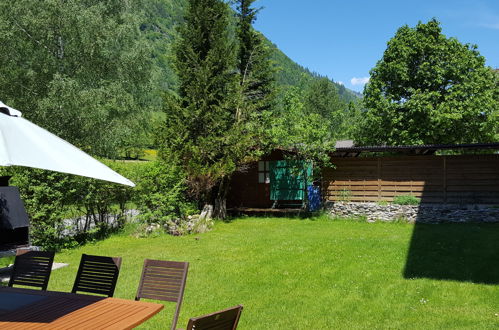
[97, 274]
[163, 280]
[32, 268]
[226, 319]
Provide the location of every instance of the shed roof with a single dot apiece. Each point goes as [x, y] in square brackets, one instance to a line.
[426, 149]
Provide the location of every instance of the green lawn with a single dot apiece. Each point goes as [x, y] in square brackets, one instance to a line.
[315, 274]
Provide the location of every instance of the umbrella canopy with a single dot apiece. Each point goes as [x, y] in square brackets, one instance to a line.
[23, 143]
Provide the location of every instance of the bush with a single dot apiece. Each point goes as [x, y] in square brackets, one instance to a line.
[406, 200]
[98, 207]
[51, 198]
[161, 194]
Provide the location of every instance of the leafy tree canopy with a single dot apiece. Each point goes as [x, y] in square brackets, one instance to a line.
[427, 89]
[79, 68]
[322, 98]
[307, 136]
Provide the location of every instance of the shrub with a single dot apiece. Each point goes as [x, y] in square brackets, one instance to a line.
[161, 194]
[51, 198]
[345, 195]
[406, 200]
[98, 207]
[45, 195]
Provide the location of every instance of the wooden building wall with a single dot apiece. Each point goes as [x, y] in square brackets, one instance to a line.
[246, 190]
[464, 179]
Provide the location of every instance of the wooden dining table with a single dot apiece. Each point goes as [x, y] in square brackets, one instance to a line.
[36, 309]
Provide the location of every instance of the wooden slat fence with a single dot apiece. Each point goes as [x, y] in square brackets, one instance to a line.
[464, 179]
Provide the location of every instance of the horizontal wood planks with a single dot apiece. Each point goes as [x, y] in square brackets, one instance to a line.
[163, 280]
[61, 310]
[466, 179]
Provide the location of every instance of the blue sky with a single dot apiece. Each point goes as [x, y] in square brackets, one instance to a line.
[344, 39]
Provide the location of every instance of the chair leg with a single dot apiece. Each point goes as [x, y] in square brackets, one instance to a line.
[175, 316]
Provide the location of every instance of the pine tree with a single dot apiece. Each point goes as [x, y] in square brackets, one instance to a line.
[255, 68]
[197, 122]
[217, 122]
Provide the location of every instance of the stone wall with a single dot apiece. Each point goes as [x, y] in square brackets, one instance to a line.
[424, 213]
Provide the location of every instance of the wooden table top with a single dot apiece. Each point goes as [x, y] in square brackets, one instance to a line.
[36, 309]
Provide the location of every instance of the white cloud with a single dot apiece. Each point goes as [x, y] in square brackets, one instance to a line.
[359, 81]
[480, 14]
[341, 82]
[494, 26]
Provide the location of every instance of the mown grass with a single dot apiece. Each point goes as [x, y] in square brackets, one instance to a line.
[301, 274]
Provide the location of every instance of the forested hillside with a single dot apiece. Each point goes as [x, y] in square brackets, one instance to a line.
[161, 18]
[117, 59]
[290, 73]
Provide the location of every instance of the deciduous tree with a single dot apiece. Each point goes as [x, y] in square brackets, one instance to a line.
[78, 68]
[428, 89]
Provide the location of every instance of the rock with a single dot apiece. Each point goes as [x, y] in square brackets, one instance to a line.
[206, 213]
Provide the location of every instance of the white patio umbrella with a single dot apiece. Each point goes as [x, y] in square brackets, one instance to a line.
[23, 143]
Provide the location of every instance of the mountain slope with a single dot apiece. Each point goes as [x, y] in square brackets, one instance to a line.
[290, 73]
[160, 20]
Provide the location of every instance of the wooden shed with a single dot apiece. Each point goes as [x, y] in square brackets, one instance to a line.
[273, 182]
[467, 174]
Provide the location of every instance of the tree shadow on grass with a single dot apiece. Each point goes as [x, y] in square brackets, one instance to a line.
[455, 251]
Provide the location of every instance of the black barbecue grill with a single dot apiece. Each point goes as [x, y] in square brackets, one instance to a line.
[14, 221]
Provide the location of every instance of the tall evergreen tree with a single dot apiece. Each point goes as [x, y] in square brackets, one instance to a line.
[216, 123]
[199, 121]
[255, 68]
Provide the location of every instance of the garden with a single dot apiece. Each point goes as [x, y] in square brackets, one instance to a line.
[189, 103]
[317, 273]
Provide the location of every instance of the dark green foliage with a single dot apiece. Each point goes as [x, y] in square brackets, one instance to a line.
[198, 121]
[256, 75]
[160, 194]
[429, 89]
[225, 96]
[322, 98]
[51, 197]
[54, 201]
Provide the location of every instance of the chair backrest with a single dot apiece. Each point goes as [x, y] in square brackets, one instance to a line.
[32, 268]
[226, 319]
[163, 280]
[97, 274]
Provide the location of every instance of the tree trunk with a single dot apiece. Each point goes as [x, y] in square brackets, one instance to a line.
[220, 211]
